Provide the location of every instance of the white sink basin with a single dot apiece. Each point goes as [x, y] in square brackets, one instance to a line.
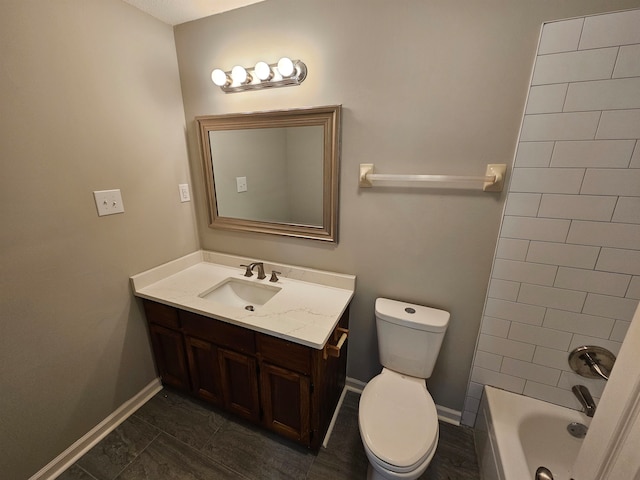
[236, 292]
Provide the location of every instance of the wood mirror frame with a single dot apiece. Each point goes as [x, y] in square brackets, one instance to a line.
[327, 117]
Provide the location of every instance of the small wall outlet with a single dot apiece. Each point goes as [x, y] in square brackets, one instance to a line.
[241, 183]
[108, 202]
[185, 196]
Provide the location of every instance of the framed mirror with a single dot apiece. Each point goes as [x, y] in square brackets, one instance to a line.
[273, 172]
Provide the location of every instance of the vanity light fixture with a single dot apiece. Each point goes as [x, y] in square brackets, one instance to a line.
[240, 76]
[220, 78]
[285, 67]
[263, 71]
[263, 75]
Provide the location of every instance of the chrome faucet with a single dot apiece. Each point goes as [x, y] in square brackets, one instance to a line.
[585, 398]
[249, 270]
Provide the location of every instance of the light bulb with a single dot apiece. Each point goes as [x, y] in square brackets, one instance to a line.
[240, 75]
[263, 71]
[285, 67]
[219, 77]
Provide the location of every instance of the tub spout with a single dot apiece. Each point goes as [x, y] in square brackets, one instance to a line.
[585, 398]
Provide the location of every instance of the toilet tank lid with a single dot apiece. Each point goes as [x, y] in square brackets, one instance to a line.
[413, 316]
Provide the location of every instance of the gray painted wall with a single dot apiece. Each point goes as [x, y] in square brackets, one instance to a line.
[259, 156]
[426, 87]
[90, 98]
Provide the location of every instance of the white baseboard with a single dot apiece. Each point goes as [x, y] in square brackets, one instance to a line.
[448, 415]
[354, 385]
[445, 414]
[67, 458]
[334, 418]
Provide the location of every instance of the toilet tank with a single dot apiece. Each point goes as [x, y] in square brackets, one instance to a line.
[409, 336]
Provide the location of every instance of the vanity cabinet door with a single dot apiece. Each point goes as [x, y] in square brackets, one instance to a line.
[286, 400]
[239, 384]
[204, 369]
[168, 349]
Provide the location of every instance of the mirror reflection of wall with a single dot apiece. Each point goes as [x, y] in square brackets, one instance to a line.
[283, 168]
[273, 172]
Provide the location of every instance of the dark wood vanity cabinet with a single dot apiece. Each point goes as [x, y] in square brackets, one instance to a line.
[202, 358]
[289, 388]
[240, 384]
[286, 387]
[168, 345]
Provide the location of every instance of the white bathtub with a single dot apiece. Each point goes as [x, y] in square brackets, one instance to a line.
[516, 434]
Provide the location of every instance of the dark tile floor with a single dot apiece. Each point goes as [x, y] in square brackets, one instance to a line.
[175, 437]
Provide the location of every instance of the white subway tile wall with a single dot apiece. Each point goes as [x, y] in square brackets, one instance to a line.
[619, 124]
[628, 63]
[561, 36]
[627, 210]
[534, 154]
[612, 153]
[567, 266]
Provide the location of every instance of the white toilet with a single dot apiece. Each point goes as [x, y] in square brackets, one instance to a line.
[397, 417]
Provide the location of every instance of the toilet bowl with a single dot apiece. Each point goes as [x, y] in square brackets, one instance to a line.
[398, 425]
[397, 417]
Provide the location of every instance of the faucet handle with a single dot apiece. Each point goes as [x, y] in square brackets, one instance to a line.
[274, 277]
[248, 272]
[592, 362]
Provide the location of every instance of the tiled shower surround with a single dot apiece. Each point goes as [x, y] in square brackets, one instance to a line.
[567, 266]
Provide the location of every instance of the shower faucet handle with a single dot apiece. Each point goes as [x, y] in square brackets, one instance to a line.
[592, 361]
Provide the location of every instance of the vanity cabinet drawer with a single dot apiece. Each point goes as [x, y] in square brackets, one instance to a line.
[287, 354]
[221, 333]
[161, 314]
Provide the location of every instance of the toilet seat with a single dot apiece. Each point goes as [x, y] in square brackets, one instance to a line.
[398, 421]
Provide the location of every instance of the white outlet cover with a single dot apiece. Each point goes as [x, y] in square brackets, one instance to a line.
[108, 202]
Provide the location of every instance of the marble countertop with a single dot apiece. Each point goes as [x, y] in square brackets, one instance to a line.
[305, 310]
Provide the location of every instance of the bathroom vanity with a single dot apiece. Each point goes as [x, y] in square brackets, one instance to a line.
[280, 364]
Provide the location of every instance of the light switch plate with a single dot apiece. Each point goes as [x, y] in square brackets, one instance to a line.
[241, 183]
[185, 196]
[108, 202]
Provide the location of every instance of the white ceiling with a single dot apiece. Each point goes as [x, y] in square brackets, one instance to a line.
[175, 12]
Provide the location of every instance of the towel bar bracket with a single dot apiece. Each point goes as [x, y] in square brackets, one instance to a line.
[498, 170]
[365, 169]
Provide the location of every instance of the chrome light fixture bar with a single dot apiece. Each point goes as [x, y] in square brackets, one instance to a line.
[284, 73]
